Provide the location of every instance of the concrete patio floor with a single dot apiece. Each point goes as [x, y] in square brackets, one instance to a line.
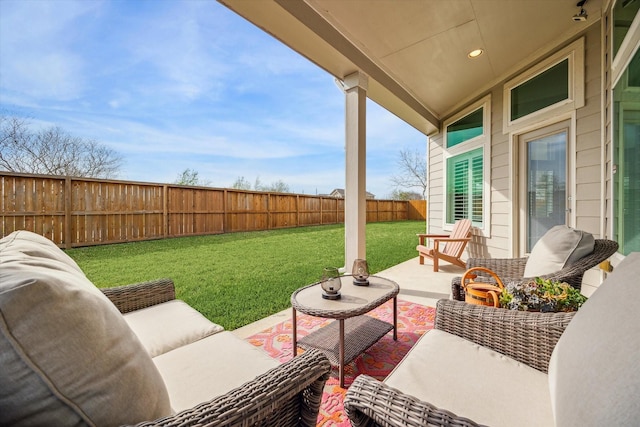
[418, 284]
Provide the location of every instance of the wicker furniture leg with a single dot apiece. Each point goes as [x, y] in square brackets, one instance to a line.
[341, 365]
[294, 333]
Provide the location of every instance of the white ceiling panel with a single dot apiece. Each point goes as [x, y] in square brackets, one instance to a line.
[415, 51]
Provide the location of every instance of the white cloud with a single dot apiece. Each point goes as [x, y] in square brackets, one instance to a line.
[175, 85]
[36, 48]
[176, 49]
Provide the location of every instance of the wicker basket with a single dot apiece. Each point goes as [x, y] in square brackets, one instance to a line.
[482, 293]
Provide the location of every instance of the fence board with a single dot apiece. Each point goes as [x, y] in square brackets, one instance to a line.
[83, 211]
[417, 209]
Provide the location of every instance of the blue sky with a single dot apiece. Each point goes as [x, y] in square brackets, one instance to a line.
[173, 85]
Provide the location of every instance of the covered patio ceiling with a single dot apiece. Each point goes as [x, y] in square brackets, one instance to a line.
[415, 52]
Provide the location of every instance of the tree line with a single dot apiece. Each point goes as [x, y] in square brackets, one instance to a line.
[192, 177]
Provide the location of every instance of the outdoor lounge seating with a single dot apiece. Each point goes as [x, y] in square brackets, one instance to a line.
[500, 367]
[73, 355]
[447, 247]
[515, 269]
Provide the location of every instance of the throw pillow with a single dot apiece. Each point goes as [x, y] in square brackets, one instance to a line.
[594, 378]
[67, 355]
[561, 246]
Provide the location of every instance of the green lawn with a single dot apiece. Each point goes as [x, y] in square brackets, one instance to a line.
[235, 279]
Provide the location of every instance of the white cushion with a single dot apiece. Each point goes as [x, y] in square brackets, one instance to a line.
[30, 249]
[164, 327]
[473, 382]
[67, 355]
[559, 247]
[209, 368]
[594, 372]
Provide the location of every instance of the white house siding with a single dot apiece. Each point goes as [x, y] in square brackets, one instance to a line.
[589, 144]
[499, 240]
[435, 205]
[588, 158]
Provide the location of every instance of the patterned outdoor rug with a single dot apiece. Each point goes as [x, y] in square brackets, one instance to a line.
[378, 361]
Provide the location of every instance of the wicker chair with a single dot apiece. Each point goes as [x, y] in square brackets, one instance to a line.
[512, 269]
[581, 367]
[370, 403]
[288, 395]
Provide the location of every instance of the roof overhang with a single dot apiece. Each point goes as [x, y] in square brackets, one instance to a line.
[415, 51]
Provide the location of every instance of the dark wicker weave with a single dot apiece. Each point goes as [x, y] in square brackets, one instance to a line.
[512, 269]
[525, 336]
[370, 403]
[528, 337]
[141, 295]
[288, 395]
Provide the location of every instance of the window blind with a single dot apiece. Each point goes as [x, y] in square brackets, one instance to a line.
[465, 187]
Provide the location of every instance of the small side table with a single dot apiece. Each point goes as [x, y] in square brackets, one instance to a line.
[342, 342]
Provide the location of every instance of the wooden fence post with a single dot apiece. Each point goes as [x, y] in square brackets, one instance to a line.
[224, 212]
[67, 212]
[268, 211]
[165, 211]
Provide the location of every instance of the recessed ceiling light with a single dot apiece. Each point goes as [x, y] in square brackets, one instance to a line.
[475, 53]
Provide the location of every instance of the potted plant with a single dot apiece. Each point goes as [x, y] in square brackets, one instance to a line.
[543, 295]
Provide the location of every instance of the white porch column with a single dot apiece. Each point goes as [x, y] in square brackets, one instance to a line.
[355, 215]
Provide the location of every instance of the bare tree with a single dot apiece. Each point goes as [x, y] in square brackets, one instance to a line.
[191, 177]
[412, 168]
[241, 184]
[405, 195]
[278, 186]
[257, 185]
[53, 151]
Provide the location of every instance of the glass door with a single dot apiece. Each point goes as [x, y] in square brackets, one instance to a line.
[543, 182]
[627, 178]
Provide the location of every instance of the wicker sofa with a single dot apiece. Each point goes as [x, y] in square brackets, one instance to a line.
[75, 355]
[491, 366]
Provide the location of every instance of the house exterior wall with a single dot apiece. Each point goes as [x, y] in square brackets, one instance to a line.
[607, 132]
[499, 238]
[613, 76]
[588, 152]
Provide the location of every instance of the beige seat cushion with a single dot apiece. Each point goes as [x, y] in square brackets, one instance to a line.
[561, 246]
[594, 372]
[474, 382]
[67, 355]
[164, 327]
[209, 368]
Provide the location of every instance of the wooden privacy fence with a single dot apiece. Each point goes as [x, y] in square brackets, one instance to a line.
[83, 211]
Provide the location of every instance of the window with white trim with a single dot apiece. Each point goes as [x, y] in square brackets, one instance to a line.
[541, 91]
[466, 145]
[551, 87]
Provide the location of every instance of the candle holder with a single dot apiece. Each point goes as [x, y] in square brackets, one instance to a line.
[360, 272]
[331, 283]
